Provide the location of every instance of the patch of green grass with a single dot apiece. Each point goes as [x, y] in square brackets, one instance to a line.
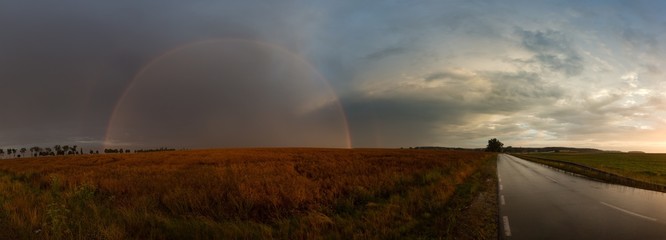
[646, 167]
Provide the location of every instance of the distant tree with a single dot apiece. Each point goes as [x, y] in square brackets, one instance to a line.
[91, 152]
[23, 150]
[65, 149]
[2, 152]
[48, 151]
[74, 149]
[35, 150]
[494, 145]
[57, 149]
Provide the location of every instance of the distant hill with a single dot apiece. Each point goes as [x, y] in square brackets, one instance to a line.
[510, 149]
[446, 148]
[549, 149]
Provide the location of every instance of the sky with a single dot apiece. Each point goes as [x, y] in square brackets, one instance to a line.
[203, 73]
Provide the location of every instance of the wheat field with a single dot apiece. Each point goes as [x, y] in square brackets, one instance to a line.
[234, 194]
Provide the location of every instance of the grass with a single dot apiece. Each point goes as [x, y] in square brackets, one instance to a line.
[643, 167]
[251, 194]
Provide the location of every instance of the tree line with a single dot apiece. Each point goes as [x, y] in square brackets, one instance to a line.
[61, 150]
[39, 151]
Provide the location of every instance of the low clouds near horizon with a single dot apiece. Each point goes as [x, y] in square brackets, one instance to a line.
[437, 73]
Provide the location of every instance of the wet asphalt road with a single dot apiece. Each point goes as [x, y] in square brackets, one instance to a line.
[538, 202]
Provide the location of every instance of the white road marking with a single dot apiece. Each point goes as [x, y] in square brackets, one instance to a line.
[629, 212]
[507, 229]
[552, 179]
[501, 187]
[499, 179]
[502, 200]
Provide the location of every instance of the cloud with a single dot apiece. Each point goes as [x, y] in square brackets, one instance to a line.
[641, 41]
[452, 112]
[431, 73]
[455, 75]
[399, 121]
[602, 117]
[553, 51]
[66, 64]
[386, 52]
[519, 90]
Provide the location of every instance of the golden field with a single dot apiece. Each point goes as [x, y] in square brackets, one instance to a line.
[241, 194]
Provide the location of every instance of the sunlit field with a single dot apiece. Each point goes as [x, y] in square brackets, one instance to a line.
[647, 167]
[247, 194]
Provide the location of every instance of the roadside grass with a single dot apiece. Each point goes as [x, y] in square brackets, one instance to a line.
[641, 167]
[472, 212]
[251, 194]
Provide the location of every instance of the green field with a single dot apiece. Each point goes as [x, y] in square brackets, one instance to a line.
[646, 167]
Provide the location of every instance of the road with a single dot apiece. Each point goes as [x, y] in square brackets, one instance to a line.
[538, 202]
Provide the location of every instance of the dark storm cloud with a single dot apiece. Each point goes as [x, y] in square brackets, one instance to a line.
[377, 122]
[552, 50]
[65, 64]
[237, 94]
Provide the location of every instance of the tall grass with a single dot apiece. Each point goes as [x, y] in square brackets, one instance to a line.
[221, 194]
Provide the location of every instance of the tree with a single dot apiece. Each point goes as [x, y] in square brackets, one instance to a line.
[494, 145]
[49, 151]
[35, 150]
[23, 150]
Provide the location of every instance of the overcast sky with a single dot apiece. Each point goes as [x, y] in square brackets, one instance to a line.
[333, 73]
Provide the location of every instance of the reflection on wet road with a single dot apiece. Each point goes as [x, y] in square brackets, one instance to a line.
[538, 202]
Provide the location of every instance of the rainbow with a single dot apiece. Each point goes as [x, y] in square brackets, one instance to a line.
[297, 58]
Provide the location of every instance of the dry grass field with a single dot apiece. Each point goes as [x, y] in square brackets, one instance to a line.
[242, 194]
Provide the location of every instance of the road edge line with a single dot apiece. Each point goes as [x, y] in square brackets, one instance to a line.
[507, 228]
[629, 212]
